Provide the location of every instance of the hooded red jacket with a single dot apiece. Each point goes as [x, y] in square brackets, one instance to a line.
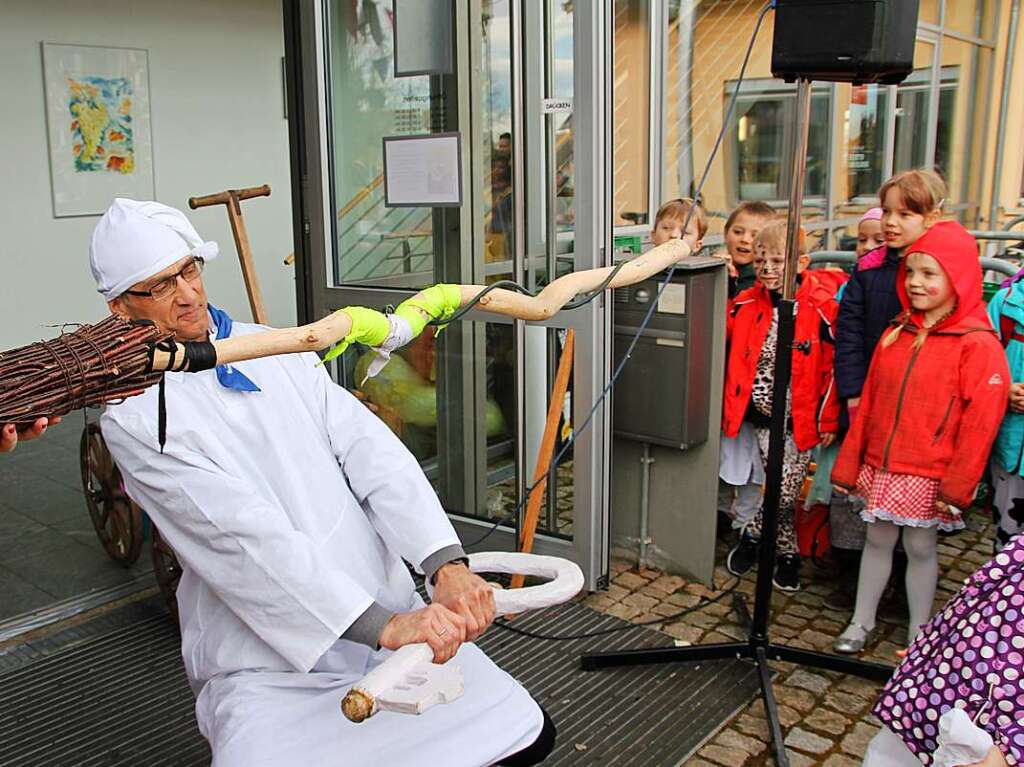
[815, 405]
[934, 411]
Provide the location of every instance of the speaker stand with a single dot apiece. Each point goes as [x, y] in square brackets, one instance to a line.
[758, 647]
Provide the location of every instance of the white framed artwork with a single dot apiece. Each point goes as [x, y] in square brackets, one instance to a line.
[98, 123]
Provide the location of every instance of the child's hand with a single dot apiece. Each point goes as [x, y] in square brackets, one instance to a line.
[828, 439]
[840, 490]
[995, 758]
[1017, 397]
[945, 508]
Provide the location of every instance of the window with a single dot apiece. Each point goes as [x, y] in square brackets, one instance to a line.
[865, 144]
[632, 111]
[912, 102]
[761, 141]
[1022, 185]
[375, 245]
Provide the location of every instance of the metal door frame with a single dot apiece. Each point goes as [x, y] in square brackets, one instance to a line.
[313, 220]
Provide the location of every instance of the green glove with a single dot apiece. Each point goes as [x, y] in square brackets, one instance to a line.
[369, 327]
[438, 302]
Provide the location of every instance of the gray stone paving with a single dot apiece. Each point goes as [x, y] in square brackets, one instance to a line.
[826, 717]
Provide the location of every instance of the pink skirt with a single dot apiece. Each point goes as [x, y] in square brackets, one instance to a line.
[903, 499]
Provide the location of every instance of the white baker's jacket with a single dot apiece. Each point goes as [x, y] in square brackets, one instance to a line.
[290, 510]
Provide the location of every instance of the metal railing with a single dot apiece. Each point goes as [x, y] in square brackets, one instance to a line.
[849, 257]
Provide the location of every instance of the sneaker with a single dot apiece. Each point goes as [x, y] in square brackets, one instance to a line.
[787, 572]
[742, 557]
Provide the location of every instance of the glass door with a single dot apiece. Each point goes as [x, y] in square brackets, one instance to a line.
[472, 403]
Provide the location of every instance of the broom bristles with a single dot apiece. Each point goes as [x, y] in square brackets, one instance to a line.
[94, 364]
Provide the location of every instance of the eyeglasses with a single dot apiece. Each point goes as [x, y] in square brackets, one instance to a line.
[165, 288]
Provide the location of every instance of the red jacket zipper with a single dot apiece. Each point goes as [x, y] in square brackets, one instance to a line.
[899, 407]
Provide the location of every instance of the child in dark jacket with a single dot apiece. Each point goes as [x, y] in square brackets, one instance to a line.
[931, 406]
[846, 528]
[911, 204]
[752, 330]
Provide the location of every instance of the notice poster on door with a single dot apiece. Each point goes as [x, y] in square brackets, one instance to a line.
[423, 171]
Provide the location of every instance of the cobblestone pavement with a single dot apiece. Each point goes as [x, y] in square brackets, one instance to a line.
[825, 716]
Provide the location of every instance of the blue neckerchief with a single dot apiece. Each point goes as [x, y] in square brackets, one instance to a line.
[229, 377]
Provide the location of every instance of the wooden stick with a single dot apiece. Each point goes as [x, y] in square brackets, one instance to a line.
[223, 198]
[324, 333]
[44, 378]
[252, 285]
[558, 293]
[547, 449]
[232, 198]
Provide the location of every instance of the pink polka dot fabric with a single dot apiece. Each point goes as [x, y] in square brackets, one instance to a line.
[970, 655]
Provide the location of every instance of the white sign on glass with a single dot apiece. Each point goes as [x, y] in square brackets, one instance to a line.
[556, 106]
[97, 115]
[423, 171]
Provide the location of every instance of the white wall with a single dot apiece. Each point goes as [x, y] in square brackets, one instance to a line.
[217, 115]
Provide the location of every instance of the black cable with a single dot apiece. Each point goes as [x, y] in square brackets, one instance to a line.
[504, 625]
[654, 303]
[515, 286]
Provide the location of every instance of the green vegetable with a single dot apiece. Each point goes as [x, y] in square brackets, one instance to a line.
[398, 387]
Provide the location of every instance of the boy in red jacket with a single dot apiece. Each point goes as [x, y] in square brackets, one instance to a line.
[936, 392]
[752, 332]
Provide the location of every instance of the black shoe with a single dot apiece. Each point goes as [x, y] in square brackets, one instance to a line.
[787, 572]
[840, 599]
[742, 557]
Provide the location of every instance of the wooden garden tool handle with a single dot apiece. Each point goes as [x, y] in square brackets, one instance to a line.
[223, 198]
[231, 198]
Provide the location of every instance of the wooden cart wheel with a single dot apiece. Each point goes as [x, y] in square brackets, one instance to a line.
[117, 520]
[167, 571]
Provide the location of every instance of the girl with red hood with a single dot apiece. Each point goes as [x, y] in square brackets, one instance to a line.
[933, 400]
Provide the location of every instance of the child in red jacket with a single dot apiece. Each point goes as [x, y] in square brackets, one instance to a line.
[752, 331]
[933, 400]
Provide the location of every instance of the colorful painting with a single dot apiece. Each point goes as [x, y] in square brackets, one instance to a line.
[97, 106]
[101, 124]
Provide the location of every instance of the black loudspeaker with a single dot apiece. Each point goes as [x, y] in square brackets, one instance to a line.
[853, 41]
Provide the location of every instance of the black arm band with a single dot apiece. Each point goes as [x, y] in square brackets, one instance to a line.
[199, 355]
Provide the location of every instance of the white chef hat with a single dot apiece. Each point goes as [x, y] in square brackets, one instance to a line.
[135, 240]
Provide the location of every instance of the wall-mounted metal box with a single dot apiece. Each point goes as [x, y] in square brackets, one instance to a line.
[664, 392]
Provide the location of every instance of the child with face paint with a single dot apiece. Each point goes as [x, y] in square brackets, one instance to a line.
[911, 202]
[930, 410]
[752, 332]
[740, 483]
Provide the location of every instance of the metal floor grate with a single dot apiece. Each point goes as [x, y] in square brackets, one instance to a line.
[119, 697]
[642, 716]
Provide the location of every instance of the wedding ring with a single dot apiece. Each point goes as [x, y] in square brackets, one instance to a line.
[442, 631]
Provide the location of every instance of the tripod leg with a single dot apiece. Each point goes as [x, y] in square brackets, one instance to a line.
[771, 710]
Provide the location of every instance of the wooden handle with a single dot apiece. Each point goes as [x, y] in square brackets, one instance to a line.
[223, 198]
[547, 449]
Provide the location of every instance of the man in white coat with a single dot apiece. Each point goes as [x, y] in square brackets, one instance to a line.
[291, 508]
